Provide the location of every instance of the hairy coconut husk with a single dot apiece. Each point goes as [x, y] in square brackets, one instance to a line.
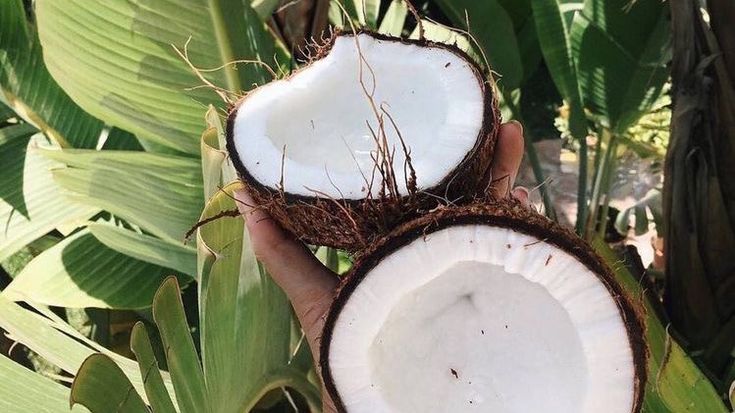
[352, 225]
[504, 213]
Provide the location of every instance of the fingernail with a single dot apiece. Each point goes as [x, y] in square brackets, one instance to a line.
[518, 125]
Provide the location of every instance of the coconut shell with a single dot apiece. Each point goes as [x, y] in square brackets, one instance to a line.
[504, 213]
[353, 225]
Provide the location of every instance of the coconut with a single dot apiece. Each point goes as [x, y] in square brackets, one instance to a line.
[489, 308]
[374, 131]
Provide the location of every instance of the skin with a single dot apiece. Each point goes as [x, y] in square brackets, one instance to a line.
[309, 285]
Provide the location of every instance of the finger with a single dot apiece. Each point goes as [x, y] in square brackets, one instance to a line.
[507, 159]
[521, 194]
[309, 285]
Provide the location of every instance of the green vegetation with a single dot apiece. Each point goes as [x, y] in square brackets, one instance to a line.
[112, 148]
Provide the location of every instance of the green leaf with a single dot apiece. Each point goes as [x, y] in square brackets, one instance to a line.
[622, 222]
[518, 10]
[443, 34]
[212, 160]
[621, 55]
[282, 378]
[41, 335]
[160, 193]
[652, 200]
[675, 383]
[58, 342]
[240, 308]
[31, 204]
[521, 15]
[264, 8]
[336, 15]
[553, 19]
[329, 257]
[102, 387]
[117, 62]
[217, 168]
[146, 248]
[492, 27]
[115, 138]
[394, 19]
[22, 391]
[367, 12]
[28, 88]
[641, 220]
[81, 272]
[353, 9]
[158, 397]
[556, 46]
[183, 363]
[5, 112]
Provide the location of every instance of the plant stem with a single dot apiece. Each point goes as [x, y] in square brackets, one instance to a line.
[533, 159]
[604, 162]
[578, 126]
[582, 185]
[592, 207]
[607, 183]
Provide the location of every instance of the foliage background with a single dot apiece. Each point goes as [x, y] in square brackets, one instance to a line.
[112, 145]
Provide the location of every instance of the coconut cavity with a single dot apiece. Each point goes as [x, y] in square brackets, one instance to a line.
[480, 317]
[322, 131]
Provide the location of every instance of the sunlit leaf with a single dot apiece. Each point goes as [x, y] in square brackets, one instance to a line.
[23, 390]
[217, 169]
[443, 34]
[158, 397]
[367, 12]
[552, 20]
[81, 272]
[183, 362]
[282, 378]
[117, 62]
[240, 307]
[160, 193]
[28, 88]
[147, 248]
[100, 385]
[675, 383]
[621, 55]
[31, 204]
[58, 342]
[394, 19]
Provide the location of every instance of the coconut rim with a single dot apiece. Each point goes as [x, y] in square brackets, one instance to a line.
[485, 140]
[488, 215]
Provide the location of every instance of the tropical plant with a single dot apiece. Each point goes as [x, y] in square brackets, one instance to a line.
[112, 146]
[608, 60]
[122, 203]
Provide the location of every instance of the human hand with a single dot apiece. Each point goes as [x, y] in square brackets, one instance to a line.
[309, 285]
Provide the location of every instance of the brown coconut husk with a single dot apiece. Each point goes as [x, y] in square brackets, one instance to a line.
[353, 225]
[504, 213]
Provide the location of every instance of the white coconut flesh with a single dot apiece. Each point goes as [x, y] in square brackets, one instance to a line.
[480, 318]
[319, 118]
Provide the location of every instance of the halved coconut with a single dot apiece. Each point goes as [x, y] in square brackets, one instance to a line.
[487, 309]
[373, 131]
